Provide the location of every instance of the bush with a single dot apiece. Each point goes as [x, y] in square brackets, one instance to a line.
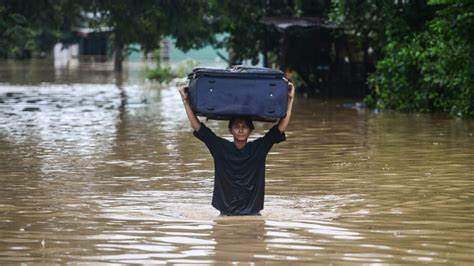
[428, 71]
[185, 67]
[161, 74]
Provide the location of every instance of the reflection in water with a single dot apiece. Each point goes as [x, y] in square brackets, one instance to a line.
[239, 239]
[107, 170]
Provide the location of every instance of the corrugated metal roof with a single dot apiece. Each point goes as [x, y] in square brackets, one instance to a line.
[283, 23]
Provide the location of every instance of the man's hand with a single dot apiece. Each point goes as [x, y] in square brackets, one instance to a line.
[195, 123]
[183, 91]
[291, 95]
[291, 91]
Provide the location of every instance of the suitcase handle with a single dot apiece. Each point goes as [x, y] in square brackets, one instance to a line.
[210, 104]
[271, 107]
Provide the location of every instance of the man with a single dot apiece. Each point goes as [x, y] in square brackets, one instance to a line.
[239, 181]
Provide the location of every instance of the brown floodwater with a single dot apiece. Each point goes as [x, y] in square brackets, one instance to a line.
[96, 167]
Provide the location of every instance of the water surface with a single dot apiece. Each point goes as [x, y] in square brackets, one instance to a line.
[101, 168]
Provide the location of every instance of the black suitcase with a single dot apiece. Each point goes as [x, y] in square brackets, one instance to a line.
[260, 93]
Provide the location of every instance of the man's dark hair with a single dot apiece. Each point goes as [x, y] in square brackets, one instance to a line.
[246, 119]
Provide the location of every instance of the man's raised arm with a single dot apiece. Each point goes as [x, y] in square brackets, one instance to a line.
[195, 123]
[285, 120]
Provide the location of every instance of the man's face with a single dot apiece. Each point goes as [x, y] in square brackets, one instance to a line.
[240, 130]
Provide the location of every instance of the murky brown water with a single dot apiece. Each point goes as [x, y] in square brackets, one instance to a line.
[92, 171]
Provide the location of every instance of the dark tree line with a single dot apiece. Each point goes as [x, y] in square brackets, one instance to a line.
[29, 27]
[424, 49]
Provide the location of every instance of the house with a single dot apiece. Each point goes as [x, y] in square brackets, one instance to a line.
[322, 54]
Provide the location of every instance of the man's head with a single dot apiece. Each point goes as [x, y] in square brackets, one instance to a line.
[240, 127]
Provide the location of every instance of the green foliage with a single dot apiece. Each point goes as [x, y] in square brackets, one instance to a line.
[430, 70]
[184, 68]
[28, 27]
[378, 22]
[245, 34]
[165, 73]
[145, 23]
[161, 74]
[34, 26]
[129, 22]
[15, 35]
[247, 37]
[425, 48]
[193, 24]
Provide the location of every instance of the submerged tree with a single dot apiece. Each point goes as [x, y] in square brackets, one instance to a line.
[432, 69]
[247, 37]
[147, 22]
[28, 27]
[424, 51]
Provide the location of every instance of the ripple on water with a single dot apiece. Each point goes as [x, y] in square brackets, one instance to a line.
[105, 173]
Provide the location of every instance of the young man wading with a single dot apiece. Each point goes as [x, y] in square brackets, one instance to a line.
[239, 182]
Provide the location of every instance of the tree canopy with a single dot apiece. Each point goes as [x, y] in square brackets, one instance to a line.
[424, 49]
[35, 26]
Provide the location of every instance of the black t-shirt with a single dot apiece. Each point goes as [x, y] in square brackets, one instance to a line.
[239, 181]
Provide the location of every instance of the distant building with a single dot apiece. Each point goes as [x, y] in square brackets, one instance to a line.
[94, 42]
[94, 45]
[322, 54]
